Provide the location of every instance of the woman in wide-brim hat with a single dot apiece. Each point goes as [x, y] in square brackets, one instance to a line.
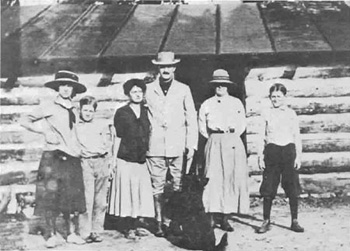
[59, 186]
[222, 121]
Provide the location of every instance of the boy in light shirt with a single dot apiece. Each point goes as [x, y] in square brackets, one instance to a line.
[95, 139]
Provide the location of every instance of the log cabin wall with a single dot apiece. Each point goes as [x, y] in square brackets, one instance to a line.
[319, 95]
[321, 98]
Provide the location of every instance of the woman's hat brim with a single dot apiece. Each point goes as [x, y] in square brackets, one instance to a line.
[165, 63]
[221, 81]
[55, 84]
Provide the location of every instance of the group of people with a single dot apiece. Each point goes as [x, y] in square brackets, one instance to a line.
[154, 135]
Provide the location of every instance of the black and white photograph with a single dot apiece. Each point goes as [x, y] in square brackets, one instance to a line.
[175, 125]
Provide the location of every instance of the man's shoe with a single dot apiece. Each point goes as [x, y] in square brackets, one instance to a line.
[93, 237]
[75, 239]
[266, 226]
[296, 227]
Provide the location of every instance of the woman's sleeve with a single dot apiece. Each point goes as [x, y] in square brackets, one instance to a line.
[202, 121]
[261, 134]
[119, 120]
[242, 121]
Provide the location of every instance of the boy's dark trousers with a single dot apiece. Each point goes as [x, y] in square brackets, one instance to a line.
[279, 165]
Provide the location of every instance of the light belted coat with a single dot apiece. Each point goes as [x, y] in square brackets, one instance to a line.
[173, 120]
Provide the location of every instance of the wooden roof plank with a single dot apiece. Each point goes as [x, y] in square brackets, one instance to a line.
[291, 28]
[242, 30]
[15, 17]
[37, 37]
[194, 30]
[143, 33]
[97, 27]
[333, 21]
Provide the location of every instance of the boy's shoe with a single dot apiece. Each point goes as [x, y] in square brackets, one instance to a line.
[296, 227]
[266, 226]
[75, 239]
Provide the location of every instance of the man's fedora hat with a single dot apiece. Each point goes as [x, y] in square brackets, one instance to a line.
[165, 58]
[221, 76]
[66, 78]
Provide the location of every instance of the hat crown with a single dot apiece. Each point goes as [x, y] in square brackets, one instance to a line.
[66, 75]
[220, 74]
[165, 58]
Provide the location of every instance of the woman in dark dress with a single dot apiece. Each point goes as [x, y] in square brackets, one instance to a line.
[131, 190]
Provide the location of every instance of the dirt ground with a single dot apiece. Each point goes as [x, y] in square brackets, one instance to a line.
[326, 222]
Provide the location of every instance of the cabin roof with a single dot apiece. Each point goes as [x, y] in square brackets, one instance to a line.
[34, 38]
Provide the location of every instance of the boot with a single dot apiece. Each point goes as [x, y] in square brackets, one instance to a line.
[296, 227]
[293, 203]
[225, 225]
[158, 209]
[266, 226]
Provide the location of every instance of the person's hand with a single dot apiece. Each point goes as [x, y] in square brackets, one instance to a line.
[297, 163]
[112, 167]
[231, 129]
[261, 163]
[51, 138]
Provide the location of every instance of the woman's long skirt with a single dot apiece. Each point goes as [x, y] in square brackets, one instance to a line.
[131, 191]
[60, 185]
[226, 167]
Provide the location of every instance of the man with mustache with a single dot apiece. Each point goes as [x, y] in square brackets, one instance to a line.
[174, 130]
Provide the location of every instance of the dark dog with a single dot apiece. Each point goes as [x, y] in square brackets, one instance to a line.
[190, 226]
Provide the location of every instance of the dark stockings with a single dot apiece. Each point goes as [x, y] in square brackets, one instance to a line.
[267, 208]
[75, 221]
[50, 218]
[293, 203]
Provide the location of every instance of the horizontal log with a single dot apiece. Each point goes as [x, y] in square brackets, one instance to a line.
[313, 163]
[34, 95]
[302, 106]
[334, 183]
[315, 142]
[11, 114]
[16, 134]
[318, 123]
[306, 87]
[270, 73]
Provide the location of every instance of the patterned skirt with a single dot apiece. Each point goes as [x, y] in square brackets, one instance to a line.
[59, 186]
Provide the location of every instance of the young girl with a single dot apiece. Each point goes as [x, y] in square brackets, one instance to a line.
[279, 156]
[59, 187]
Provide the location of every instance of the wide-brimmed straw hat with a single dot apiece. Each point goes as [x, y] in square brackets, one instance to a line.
[165, 58]
[221, 76]
[66, 78]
